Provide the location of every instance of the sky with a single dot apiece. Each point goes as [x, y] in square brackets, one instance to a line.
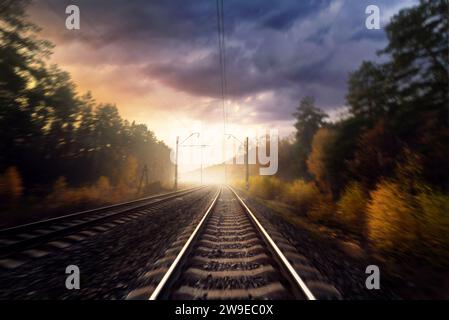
[158, 60]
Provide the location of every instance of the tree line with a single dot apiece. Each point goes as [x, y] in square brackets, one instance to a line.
[381, 169]
[50, 132]
[395, 108]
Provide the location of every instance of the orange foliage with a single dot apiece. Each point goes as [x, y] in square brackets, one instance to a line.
[302, 195]
[11, 184]
[316, 163]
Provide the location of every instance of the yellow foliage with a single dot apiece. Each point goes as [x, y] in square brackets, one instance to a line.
[266, 187]
[300, 194]
[128, 173]
[391, 220]
[434, 221]
[239, 184]
[304, 196]
[416, 223]
[316, 163]
[323, 209]
[351, 207]
[102, 188]
[62, 194]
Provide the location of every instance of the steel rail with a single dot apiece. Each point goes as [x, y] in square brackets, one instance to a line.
[168, 278]
[25, 243]
[23, 227]
[276, 249]
[164, 281]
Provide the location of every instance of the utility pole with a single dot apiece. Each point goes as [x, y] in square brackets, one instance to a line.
[224, 162]
[201, 165]
[177, 151]
[176, 164]
[245, 157]
[201, 146]
[247, 163]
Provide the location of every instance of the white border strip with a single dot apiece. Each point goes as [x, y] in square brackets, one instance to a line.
[290, 268]
[169, 272]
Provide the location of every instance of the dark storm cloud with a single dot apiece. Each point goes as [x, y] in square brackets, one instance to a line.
[289, 48]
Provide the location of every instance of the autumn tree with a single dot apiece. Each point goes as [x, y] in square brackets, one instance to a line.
[403, 102]
[340, 153]
[48, 130]
[318, 159]
[308, 120]
[376, 155]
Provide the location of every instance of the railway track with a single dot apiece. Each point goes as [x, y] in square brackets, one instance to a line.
[15, 239]
[230, 255]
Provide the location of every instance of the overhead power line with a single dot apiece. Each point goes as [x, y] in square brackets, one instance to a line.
[222, 56]
[222, 63]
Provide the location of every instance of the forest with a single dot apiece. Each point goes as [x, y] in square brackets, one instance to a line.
[56, 143]
[380, 171]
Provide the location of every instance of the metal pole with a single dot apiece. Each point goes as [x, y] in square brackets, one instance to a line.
[176, 164]
[224, 163]
[247, 163]
[201, 165]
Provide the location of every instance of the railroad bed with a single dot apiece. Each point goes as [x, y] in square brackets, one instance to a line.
[230, 255]
[72, 227]
[230, 260]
